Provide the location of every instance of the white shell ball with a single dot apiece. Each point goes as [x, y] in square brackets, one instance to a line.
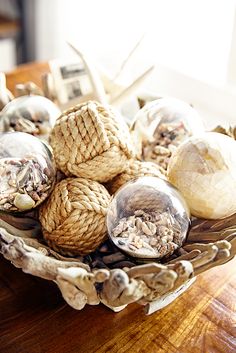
[204, 170]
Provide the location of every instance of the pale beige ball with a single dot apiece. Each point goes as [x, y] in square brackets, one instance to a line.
[204, 170]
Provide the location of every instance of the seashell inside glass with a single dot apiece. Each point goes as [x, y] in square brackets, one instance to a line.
[161, 125]
[27, 172]
[148, 218]
[35, 115]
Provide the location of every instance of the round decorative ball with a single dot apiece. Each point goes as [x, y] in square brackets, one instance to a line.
[32, 114]
[91, 141]
[162, 125]
[148, 218]
[73, 218]
[27, 172]
[135, 169]
[204, 170]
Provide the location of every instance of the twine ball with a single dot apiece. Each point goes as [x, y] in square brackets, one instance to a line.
[90, 141]
[135, 169]
[73, 217]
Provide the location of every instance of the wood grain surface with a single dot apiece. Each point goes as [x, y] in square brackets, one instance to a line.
[34, 317]
[24, 73]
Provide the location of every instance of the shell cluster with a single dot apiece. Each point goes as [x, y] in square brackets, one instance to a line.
[148, 218]
[32, 114]
[27, 172]
[161, 126]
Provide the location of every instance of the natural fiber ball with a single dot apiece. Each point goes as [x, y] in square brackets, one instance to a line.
[135, 169]
[204, 170]
[73, 218]
[90, 141]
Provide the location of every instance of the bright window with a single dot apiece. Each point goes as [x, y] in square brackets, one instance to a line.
[191, 42]
[193, 37]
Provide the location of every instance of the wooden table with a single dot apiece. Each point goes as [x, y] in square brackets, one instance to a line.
[34, 317]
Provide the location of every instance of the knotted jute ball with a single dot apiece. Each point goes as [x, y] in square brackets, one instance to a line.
[73, 217]
[90, 141]
[135, 169]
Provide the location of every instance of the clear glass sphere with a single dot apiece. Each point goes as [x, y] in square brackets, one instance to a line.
[27, 171]
[161, 125]
[148, 218]
[32, 114]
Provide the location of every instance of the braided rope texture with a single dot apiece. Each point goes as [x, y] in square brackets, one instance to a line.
[90, 141]
[73, 217]
[135, 169]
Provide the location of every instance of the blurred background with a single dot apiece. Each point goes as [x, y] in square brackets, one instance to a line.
[192, 43]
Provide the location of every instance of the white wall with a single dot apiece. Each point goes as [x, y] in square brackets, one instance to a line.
[8, 54]
[7, 46]
[193, 37]
[189, 41]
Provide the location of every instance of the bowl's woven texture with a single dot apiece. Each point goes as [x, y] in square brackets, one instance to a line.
[107, 277]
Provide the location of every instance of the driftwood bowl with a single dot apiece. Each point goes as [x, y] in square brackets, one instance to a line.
[110, 277]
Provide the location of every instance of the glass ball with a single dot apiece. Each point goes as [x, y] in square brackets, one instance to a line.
[32, 114]
[161, 125]
[148, 218]
[27, 171]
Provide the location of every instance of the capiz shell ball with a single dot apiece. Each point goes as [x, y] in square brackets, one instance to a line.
[204, 170]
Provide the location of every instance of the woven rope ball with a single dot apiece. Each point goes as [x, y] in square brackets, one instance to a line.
[135, 169]
[90, 141]
[73, 217]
